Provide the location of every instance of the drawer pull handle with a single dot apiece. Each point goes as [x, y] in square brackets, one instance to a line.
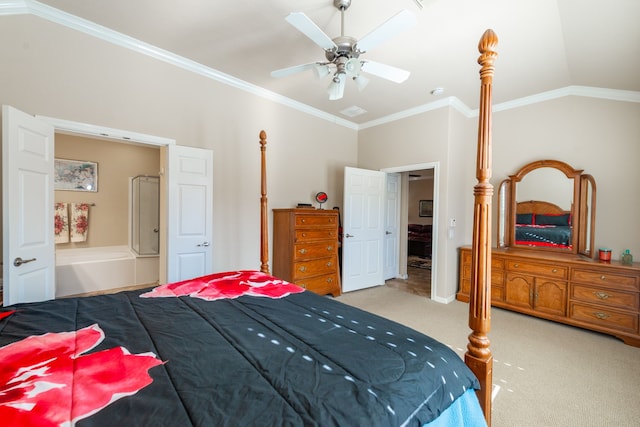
[304, 220]
[600, 315]
[302, 268]
[330, 280]
[329, 264]
[303, 285]
[303, 251]
[601, 295]
[555, 270]
[329, 248]
[304, 234]
[603, 277]
[516, 265]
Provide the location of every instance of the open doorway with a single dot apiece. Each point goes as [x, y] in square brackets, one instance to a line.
[418, 219]
[420, 231]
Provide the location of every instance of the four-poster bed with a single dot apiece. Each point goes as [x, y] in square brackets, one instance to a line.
[246, 348]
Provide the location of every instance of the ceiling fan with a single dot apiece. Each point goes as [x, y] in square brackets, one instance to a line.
[342, 53]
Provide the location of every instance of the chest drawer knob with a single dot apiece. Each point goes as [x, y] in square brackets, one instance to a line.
[329, 248]
[601, 295]
[601, 315]
[516, 265]
[330, 280]
[329, 264]
[302, 251]
[555, 270]
[603, 277]
[302, 268]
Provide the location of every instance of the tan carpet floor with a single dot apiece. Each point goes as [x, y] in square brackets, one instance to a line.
[548, 374]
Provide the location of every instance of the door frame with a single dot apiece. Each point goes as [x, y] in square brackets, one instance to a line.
[124, 137]
[404, 209]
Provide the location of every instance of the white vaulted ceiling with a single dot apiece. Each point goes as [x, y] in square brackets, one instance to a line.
[546, 47]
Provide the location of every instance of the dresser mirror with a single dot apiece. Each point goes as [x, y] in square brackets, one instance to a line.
[547, 206]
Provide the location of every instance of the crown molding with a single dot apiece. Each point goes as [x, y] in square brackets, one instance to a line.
[16, 7]
[450, 101]
[21, 7]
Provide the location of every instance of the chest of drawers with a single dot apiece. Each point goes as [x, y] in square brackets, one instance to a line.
[603, 297]
[305, 249]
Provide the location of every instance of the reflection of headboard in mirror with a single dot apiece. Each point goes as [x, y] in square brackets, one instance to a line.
[543, 224]
[539, 207]
[555, 211]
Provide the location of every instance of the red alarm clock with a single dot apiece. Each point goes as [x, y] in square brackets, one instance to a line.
[321, 198]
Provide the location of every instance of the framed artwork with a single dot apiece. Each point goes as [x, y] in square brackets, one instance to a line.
[75, 175]
[425, 208]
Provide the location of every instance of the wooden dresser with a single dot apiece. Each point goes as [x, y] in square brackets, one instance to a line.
[603, 297]
[305, 249]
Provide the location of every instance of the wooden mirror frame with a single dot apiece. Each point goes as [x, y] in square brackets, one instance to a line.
[582, 209]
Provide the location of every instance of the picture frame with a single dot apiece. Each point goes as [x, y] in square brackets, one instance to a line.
[75, 175]
[425, 208]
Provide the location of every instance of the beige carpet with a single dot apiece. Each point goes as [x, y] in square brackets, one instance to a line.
[548, 374]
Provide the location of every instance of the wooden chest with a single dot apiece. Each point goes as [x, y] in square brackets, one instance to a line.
[305, 249]
[603, 297]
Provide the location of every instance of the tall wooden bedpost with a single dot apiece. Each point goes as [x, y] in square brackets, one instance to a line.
[478, 356]
[264, 213]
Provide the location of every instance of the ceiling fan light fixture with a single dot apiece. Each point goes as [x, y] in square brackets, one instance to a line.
[321, 71]
[342, 52]
[352, 67]
[336, 88]
[361, 82]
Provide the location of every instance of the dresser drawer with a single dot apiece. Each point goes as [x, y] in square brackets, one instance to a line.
[314, 250]
[605, 297]
[538, 269]
[304, 269]
[315, 220]
[497, 276]
[496, 263]
[604, 317]
[598, 278]
[320, 284]
[315, 234]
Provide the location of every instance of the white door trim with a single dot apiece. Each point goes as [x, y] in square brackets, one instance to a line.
[103, 132]
[122, 136]
[436, 202]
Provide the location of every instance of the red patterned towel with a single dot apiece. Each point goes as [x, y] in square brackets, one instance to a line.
[61, 222]
[79, 221]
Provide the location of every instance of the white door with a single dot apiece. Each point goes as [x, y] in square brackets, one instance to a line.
[27, 206]
[190, 212]
[363, 228]
[391, 220]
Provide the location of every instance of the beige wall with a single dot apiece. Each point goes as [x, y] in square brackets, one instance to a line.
[420, 189]
[57, 72]
[117, 163]
[599, 136]
[441, 137]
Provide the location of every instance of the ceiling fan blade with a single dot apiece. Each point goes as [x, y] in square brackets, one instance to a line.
[307, 27]
[393, 26]
[388, 72]
[283, 72]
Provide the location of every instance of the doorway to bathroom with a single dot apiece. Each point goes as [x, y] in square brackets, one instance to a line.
[186, 200]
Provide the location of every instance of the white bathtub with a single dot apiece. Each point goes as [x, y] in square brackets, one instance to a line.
[97, 269]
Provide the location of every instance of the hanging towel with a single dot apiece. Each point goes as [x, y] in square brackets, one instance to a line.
[61, 223]
[79, 221]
